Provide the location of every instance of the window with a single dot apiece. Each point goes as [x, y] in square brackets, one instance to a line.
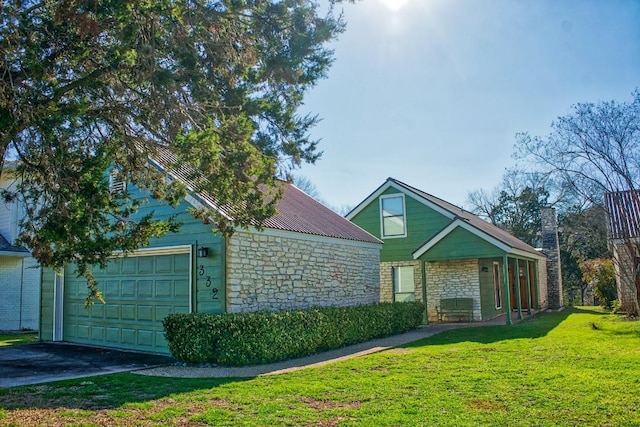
[403, 283]
[497, 285]
[116, 184]
[393, 216]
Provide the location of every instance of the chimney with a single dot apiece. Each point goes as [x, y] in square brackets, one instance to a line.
[551, 248]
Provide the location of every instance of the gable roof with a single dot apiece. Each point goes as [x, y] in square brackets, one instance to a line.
[7, 249]
[623, 214]
[296, 211]
[459, 218]
[299, 212]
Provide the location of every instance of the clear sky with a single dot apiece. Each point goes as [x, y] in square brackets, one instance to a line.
[432, 92]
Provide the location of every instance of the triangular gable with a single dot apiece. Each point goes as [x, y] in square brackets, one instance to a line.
[391, 183]
[461, 223]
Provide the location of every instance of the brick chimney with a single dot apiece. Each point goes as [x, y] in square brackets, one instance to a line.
[551, 248]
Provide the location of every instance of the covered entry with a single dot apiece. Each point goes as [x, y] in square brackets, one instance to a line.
[139, 290]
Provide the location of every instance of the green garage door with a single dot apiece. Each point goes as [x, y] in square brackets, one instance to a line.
[139, 292]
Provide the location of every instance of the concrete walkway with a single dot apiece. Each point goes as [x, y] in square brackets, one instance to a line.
[344, 353]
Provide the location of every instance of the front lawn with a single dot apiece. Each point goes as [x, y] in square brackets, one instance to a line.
[18, 338]
[577, 367]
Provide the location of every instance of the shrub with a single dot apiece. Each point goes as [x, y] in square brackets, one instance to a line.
[265, 337]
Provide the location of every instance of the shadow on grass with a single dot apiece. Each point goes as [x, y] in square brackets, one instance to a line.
[530, 328]
[103, 392]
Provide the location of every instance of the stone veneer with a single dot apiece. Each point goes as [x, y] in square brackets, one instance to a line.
[386, 279]
[445, 279]
[453, 279]
[625, 280]
[543, 298]
[274, 271]
[551, 248]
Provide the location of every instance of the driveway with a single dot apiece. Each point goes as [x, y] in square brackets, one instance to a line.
[44, 362]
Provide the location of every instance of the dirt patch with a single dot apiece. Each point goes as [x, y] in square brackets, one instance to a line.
[485, 405]
[325, 405]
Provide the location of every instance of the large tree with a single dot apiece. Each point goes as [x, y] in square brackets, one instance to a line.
[514, 204]
[595, 149]
[208, 88]
[583, 237]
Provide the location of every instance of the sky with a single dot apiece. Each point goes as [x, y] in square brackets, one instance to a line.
[433, 92]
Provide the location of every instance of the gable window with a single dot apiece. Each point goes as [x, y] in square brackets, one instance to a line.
[496, 284]
[392, 212]
[116, 184]
[403, 284]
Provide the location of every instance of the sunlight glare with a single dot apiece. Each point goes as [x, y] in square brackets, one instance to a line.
[394, 5]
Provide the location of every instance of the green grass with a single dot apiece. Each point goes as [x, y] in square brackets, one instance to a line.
[577, 367]
[18, 338]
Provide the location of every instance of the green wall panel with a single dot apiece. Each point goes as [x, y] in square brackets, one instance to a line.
[461, 244]
[422, 223]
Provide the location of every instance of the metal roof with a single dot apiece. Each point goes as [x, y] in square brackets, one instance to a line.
[296, 211]
[623, 213]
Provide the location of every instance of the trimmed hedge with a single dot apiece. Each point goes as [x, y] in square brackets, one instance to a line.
[270, 336]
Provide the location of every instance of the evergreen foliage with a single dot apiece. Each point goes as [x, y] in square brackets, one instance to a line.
[265, 337]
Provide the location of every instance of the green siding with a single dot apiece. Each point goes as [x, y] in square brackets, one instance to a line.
[422, 223]
[208, 275]
[487, 290]
[461, 244]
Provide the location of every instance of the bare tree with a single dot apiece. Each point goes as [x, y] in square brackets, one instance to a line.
[594, 151]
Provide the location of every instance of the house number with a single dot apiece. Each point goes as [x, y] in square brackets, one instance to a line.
[201, 271]
[214, 293]
[208, 282]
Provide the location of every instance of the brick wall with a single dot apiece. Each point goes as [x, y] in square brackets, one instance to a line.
[287, 271]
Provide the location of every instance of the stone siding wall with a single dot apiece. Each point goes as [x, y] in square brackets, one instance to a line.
[274, 272]
[19, 293]
[543, 293]
[625, 280]
[453, 279]
[551, 248]
[386, 279]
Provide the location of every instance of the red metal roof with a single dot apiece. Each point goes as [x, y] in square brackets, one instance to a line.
[299, 212]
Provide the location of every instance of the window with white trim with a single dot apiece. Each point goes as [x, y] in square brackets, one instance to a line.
[497, 285]
[116, 184]
[393, 217]
[403, 283]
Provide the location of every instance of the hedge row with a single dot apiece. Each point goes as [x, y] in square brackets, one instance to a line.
[265, 337]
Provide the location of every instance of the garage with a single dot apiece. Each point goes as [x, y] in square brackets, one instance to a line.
[139, 291]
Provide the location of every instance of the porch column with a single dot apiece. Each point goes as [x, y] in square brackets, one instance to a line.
[536, 284]
[507, 294]
[516, 273]
[528, 283]
[425, 317]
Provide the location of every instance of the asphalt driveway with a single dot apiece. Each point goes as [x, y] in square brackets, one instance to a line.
[45, 362]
